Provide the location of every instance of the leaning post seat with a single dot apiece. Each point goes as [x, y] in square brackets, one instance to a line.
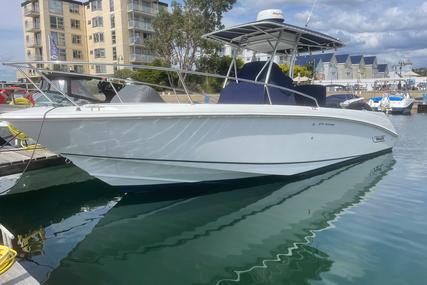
[251, 93]
[316, 91]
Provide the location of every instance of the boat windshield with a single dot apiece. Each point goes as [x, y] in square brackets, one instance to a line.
[81, 91]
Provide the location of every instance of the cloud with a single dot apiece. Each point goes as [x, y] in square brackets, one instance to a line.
[390, 29]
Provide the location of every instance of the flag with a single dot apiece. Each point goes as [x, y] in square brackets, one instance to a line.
[53, 49]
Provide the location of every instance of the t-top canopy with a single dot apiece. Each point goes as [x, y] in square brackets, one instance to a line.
[262, 36]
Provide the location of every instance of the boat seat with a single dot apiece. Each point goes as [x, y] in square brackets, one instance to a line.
[251, 93]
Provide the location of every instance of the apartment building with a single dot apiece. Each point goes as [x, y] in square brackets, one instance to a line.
[99, 31]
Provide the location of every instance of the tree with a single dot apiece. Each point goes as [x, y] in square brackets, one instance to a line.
[153, 76]
[147, 75]
[177, 37]
[213, 63]
[298, 70]
[124, 73]
[421, 71]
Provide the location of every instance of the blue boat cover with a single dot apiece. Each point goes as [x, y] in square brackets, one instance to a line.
[391, 98]
[395, 98]
[251, 93]
[316, 91]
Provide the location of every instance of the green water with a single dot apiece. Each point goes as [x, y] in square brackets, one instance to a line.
[361, 224]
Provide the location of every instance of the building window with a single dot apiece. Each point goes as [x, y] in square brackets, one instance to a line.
[89, 22]
[96, 5]
[56, 23]
[97, 22]
[112, 21]
[58, 38]
[101, 69]
[74, 8]
[98, 37]
[111, 5]
[99, 52]
[78, 69]
[76, 39]
[114, 53]
[62, 54]
[55, 6]
[77, 54]
[75, 24]
[113, 37]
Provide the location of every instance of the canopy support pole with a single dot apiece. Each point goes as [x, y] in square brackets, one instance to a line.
[185, 87]
[233, 64]
[115, 91]
[267, 78]
[293, 58]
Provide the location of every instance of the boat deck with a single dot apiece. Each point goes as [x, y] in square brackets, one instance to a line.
[14, 160]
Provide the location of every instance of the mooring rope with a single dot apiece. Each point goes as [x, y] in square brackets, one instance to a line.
[34, 149]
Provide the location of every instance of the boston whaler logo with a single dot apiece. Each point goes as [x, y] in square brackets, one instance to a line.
[378, 139]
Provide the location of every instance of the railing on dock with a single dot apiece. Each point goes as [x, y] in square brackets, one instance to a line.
[7, 236]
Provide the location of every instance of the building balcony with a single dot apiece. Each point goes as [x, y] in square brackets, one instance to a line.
[32, 27]
[136, 41]
[31, 11]
[138, 25]
[136, 8]
[143, 58]
[34, 43]
[37, 57]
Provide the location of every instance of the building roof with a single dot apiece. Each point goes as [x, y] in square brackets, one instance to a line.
[306, 60]
[341, 58]
[370, 59]
[356, 59]
[382, 67]
[316, 58]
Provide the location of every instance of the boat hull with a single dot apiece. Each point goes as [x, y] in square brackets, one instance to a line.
[171, 143]
[405, 110]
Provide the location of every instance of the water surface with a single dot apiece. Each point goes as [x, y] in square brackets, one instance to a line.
[359, 224]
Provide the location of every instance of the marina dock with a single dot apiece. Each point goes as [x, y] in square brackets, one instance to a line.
[17, 275]
[15, 160]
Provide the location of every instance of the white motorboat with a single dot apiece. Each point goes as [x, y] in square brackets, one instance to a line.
[395, 102]
[262, 124]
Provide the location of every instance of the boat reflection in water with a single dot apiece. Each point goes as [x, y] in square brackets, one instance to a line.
[50, 222]
[258, 232]
[42, 179]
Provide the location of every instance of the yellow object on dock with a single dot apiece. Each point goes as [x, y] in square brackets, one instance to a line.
[16, 133]
[22, 137]
[7, 258]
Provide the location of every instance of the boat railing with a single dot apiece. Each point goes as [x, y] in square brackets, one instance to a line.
[180, 74]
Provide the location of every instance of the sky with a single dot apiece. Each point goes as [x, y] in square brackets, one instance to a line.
[390, 29]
